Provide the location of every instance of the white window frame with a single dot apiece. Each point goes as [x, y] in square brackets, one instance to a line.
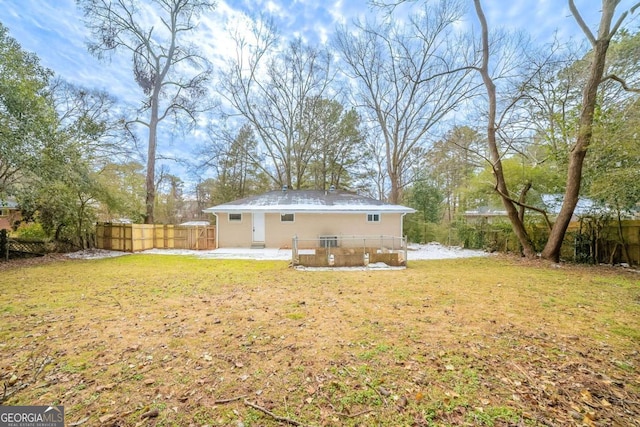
[293, 217]
[374, 217]
[234, 219]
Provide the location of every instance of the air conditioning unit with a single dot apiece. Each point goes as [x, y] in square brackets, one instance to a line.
[328, 241]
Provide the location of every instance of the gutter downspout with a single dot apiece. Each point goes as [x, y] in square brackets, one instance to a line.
[217, 229]
[406, 260]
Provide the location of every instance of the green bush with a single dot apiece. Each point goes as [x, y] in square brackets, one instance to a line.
[30, 231]
[418, 231]
[470, 236]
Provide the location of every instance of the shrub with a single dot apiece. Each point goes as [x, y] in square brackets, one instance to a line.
[30, 231]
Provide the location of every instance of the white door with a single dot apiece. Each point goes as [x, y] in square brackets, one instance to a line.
[258, 227]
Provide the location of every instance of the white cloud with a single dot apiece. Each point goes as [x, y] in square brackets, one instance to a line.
[54, 30]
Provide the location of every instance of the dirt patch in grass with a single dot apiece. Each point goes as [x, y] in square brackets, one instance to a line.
[160, 340]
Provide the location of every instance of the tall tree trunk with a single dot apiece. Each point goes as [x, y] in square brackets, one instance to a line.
[585, 131]
[501, 184]
[151, 161]
[394, 194]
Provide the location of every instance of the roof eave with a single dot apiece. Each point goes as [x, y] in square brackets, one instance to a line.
[269, 209]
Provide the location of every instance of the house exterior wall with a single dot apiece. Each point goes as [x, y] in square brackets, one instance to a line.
[232, 234]
[307, 226]
[8, 217]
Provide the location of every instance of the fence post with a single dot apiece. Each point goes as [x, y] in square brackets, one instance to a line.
[294, 250]
[403, 243]
[4, 245]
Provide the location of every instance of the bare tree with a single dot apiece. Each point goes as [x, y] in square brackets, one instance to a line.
[376, 168]
[576, 153]
[166, 67]
[271, 87]
[495, 155]
[410, 77]
[93, 119]
[606, 30]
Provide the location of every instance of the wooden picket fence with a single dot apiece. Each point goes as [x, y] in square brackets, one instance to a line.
[140, 237]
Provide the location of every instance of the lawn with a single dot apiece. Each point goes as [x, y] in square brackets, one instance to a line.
[168, 340]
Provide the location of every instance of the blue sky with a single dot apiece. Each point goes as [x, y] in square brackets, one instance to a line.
[53, 29]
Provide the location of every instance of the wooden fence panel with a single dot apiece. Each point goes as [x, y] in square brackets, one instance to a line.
[609, 247]
[613, 238]
[182, 238]
[116, 237]
[164, 236]
[140, 237]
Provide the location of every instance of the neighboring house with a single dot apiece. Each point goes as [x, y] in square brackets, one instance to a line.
[485, 214]
[551, 203]
[274, 218]
[585, 207]
[9, 214]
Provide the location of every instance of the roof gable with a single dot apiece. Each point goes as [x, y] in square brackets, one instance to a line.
[308, 201]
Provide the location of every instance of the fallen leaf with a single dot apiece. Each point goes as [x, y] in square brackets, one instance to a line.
[105, 387]
[452, 394]
[402, 403]
[383, 391]
[588, 421]
[105, 418]
[586, 395]
[150, 414]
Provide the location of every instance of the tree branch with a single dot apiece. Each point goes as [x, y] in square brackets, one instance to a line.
[583, 25]
[622, 18]
[272, 415]
[622, 82]
[524, 205]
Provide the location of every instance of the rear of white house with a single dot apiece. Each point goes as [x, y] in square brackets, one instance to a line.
[273, 219]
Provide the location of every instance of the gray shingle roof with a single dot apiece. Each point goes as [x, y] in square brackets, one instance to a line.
[8, 204]
[309, 201]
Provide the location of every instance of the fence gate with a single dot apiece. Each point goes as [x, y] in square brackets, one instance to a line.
[206, 238]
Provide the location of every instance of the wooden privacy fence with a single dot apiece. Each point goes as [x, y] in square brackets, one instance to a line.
[140, 237]
[607, 242]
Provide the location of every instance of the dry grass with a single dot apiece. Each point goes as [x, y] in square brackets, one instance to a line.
[160, 340]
